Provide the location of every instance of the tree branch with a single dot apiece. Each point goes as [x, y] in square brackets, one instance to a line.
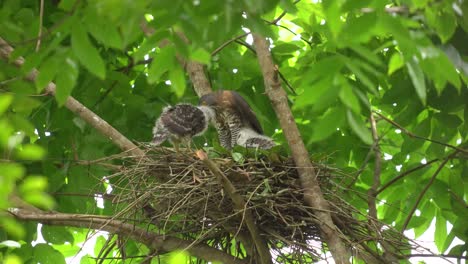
[239, 205]
[77, 108]
[153, 241]
[312, 193]
[421, 195]
[218, 49]
[372, 192]
[404, 174]
[409, 133]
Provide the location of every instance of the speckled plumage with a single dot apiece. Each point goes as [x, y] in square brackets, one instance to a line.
[181, 122]
[232, 114]
[250, 139]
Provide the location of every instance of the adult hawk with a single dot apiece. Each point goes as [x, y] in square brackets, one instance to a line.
[181, 122]
[233, 117]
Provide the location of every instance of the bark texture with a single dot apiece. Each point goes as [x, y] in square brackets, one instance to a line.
[312, 193]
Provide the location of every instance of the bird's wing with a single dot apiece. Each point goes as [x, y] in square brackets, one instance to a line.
[246, 113]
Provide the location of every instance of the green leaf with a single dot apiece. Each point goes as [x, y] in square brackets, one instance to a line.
[285, 48]
[332, 10]
[39, 199]
[163, 61]
[238, 157]
[358, 29]
[47, 72]
[325, 68]
[327, 124]
[56, 234]
[359, 127]
[177, 257]
[348, 97]
[44, 253]
[443, 21]
[417, 77]
[86, 53]
[102, 30]
[12, 259]
[12, 227]
[440, 232]
[150, 43]
[30, 152]
[5, 101]
[33, 183]
[354, 67]
[177, 77]
[314, 92]
[66, 80]
[201, 55]
[367, 54]
[396, 62]
[67, 5]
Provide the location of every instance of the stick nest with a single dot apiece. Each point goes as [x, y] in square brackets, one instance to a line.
[176, 194]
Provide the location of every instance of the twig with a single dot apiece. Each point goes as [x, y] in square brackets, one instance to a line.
[240, 205]
[312, 193]
[409, 133]
[39, 33]
[79, 109]
[295, 34]
[404, 174]
[363, 166]
[372, 192]
[415, 206]
[436, 256]
[51, 29]
[153, 241]
[218, 49]
[276, 20]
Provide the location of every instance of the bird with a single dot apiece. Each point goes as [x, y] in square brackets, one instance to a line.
[181, 122]
[233, 116]
[251, 139]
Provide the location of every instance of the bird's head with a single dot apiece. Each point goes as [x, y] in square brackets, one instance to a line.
[210, 100]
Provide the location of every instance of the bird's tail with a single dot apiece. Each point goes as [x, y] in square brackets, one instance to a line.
[251, 139]
[260, 142]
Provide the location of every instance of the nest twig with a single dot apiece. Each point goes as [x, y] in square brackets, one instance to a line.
[178, 195]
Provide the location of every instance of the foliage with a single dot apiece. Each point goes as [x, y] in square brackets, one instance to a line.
[405, 61]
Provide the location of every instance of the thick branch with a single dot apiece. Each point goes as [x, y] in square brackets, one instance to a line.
[76, 107]
[153, 241]
[201, 85]
[240, 205]
[312, 193]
